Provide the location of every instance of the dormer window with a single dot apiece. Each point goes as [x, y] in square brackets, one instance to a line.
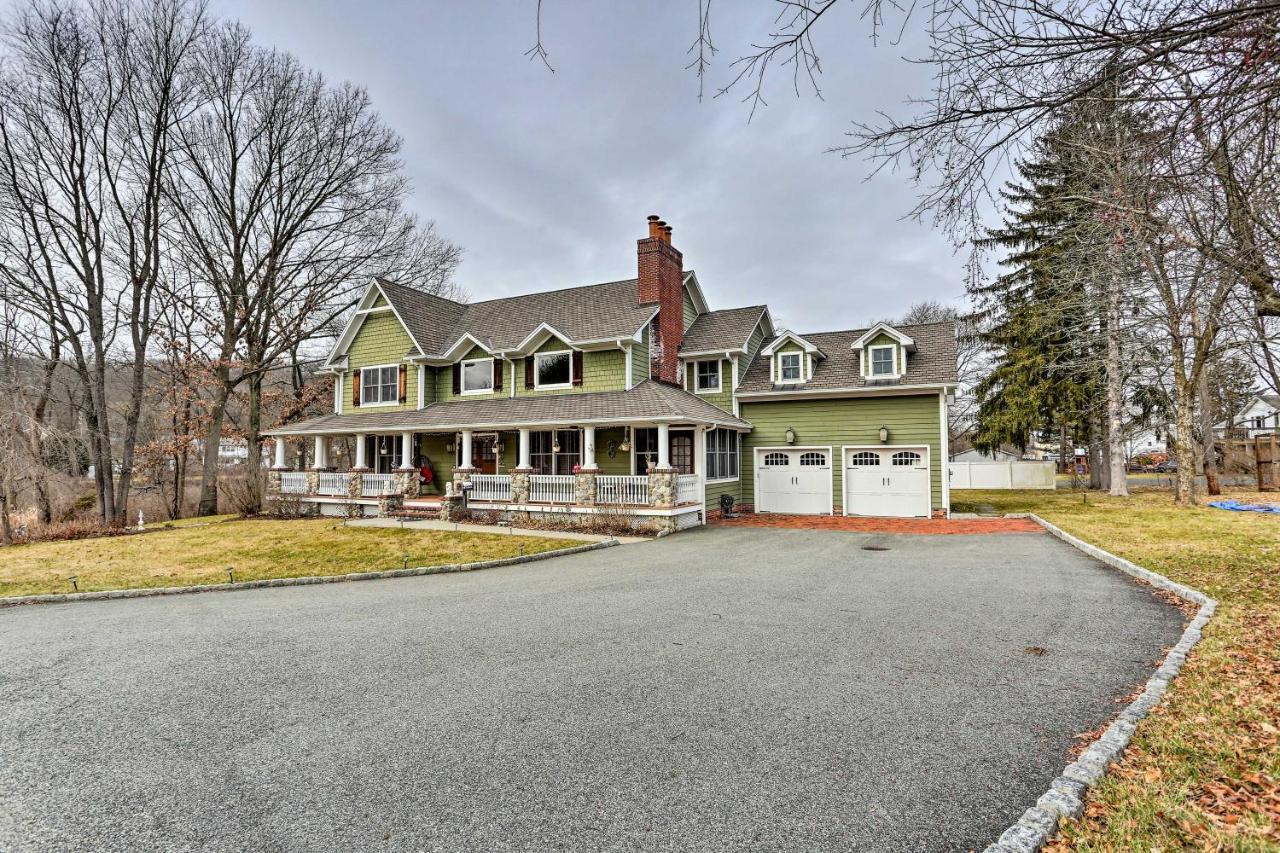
[789, 367]
[882, 359]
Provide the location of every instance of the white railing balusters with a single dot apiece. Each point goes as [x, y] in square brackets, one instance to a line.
[293, 483]
[372, 485]
[688, 489]
[551, 488]
[332, 483]
[620, 489]
[490, 487]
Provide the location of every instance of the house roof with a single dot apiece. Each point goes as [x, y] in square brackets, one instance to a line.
[649, 401]
[934, 362]
[1272, 400]
[594, 312]
[729, 329]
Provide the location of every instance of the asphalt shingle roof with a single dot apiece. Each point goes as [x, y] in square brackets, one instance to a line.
[650, 400]
[722, 330]
[592, 312]
[933, 362]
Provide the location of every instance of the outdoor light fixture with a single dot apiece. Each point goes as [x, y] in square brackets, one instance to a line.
[625, 447]
[884, 434]
[791, 436]
[555, 445]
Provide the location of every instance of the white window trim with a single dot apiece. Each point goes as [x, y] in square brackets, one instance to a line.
[871, 364]
[736, 479]
[537, 386]
[462, 377]
[799, 366]
[719, 376]
[364, 385]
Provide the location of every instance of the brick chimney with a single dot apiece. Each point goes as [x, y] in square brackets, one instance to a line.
[660, 279]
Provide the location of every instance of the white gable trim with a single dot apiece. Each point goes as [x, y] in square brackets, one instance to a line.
[539, 336]
[695, 291]
[791, 337]
[456, 351]
[363, 309]
[878, 328]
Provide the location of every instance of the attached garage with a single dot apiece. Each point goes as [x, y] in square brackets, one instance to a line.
[888, 481]
[794, 480]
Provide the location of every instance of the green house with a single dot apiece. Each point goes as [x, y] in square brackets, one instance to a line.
[629, 396]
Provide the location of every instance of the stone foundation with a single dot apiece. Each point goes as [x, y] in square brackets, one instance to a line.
[584, 488]
[662, 487]
[453, 508]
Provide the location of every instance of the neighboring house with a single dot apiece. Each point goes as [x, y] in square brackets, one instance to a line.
[630, 394]
[1260, 417]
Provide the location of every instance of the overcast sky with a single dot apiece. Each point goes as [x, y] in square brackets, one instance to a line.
[545, 179]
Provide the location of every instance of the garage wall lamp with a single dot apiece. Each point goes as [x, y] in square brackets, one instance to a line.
[791, 436]
[884, 434]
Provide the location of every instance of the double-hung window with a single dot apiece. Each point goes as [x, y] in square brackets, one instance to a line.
[882, 361]
[477, 376]
[552, 370]
[789, 367]
[722, 454]
[707, 374]
[380, 386]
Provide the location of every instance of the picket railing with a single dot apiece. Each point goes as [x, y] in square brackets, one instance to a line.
[618, 489]
[333, 483]
[490, 487]
[688, 489]
[551, 488]
[293, 483]
[373, 485]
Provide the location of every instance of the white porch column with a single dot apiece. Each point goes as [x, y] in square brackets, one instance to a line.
[281, 464]
[664, 446]
[588, 448]
[466, 449]
[360, 452]
[700, 452]
[321, 455]
[406, 450]
[524, 450]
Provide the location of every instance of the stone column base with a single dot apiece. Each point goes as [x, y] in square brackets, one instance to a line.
[520, 485]
[453, 508]
[662, 487]
[584, 487]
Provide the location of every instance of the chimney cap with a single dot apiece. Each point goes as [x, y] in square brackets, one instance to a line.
[653, 217]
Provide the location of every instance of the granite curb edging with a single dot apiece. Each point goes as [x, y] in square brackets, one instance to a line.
[144, 592]
[1065, 797]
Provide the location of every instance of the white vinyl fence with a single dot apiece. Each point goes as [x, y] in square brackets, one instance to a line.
[1024, 474]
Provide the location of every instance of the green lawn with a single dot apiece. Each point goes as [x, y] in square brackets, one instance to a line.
[1203, 771]
[255, 549]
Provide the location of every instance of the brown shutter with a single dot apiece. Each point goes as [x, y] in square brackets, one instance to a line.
[355, 387]
[404, 383]
[577, 367]
[499, 368]
[528, 371]
[457, 378]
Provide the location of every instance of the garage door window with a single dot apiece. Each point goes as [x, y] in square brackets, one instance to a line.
[811, 458]
[776, 460]
[906, 457]
[865, 457]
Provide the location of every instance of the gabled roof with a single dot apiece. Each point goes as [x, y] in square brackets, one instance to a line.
[806, 342]
[884, 329]
[934, 362]
[721, 331]
[649, 401]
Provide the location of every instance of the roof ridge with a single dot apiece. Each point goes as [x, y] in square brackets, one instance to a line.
[553, 290]
[384, 281]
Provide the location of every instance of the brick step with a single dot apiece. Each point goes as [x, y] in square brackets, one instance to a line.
[415, 514]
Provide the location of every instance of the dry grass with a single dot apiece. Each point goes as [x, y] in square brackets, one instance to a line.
[255, 549]
[1203, 771]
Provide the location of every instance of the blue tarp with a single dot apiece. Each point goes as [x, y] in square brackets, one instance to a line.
[1236, 506]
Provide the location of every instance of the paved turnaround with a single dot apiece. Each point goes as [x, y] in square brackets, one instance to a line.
[723, 689]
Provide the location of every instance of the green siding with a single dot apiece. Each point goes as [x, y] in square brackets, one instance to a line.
[444, 379]
[881, 339]
[640, 358]
[754, 342]
[602, 370]
[910, 419]
[722, 398]
[620, 463]
[715, 490]
[688, 310]
[380, 340]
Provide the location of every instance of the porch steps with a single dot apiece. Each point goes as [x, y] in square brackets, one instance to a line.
[415, 514]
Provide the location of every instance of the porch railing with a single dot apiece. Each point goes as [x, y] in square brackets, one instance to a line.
[332, 483]
[618, 489]
[551, 488]
[372, 485]
[689, 489]
[293, 483]
[490, 487]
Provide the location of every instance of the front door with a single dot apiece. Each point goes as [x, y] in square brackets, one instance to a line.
[484, 454]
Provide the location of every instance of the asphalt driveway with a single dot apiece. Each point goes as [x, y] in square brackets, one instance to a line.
[724, 689]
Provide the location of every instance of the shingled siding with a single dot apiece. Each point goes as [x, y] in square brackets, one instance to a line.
[910, 419]
[381, 340]
[603, 370]
[723, 398]
[688, 310]
[444, 379]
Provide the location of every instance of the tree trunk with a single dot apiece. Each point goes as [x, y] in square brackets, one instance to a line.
[1208, 444]
[253, 439]
[212, 440]
[1064, 458]
[1095, 462]
[1117, 484]
[1184, 448]
[6, 525]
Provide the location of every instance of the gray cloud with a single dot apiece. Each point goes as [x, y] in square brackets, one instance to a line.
[545, 179]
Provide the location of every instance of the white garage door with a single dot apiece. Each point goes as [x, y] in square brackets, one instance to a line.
[887, 481]
[796, 480]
